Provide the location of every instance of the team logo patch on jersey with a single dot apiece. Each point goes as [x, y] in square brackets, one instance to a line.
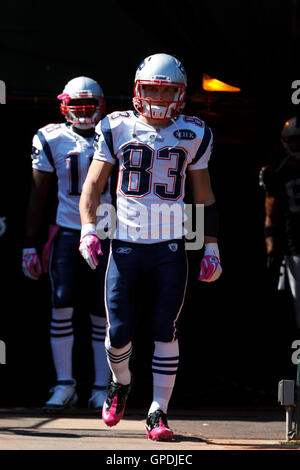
[34, 152]
[124, 250]
[96, 140]
[184, 134]
[173, 246]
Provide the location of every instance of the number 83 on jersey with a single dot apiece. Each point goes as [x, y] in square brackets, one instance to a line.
[145, 171]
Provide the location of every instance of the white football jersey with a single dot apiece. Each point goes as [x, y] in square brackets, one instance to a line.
[56, 147]
[152, 171]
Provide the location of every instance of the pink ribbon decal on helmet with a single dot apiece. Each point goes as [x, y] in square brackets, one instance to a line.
[64, 96]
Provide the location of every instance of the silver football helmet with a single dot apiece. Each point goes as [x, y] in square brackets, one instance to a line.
[161, 70]
[82, 102]
[290, 137]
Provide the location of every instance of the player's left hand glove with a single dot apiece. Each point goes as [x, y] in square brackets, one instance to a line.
[210, 268]
[90, 245]
[31, 263]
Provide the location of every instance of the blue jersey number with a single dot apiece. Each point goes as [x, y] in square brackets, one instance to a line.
[136, 176]
[136, 179]
[74, 174]
[174, 173]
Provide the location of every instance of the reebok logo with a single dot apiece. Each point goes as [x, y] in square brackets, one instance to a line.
[124, 251]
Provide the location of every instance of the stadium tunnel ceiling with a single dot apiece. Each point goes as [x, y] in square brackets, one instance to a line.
[241, 43]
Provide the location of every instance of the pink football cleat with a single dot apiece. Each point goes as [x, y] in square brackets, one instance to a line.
[157, 426]
[115, 402]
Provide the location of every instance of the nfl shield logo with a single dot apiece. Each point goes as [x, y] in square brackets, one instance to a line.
[173, 246]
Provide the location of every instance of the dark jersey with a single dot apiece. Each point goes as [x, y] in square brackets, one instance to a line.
[283, 183]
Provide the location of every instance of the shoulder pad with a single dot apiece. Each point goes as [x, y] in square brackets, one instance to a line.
[51, 131]
[50, 128]
[267, 177]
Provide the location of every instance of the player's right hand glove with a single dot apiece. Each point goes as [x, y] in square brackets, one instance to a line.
[90, 245]
[31, 264]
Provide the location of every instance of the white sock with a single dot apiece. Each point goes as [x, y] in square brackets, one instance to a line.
[102, 371]
[61, 340]
[118, 360]
[164, 368]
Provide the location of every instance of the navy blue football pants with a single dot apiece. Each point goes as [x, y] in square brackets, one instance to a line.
[68, 271]
[165, 267]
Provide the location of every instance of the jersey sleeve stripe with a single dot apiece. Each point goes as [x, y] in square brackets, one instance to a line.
[46, 148]
[107, 134]
[203, 146]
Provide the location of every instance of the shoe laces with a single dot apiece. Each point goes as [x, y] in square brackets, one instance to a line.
[61, 393]
[154, 418]
[121, 391]
[57, 388]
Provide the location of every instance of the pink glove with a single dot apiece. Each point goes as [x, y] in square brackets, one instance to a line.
[210, 268]
[31, 264]
[90, 245]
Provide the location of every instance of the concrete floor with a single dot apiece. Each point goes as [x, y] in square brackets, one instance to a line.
[79, 429]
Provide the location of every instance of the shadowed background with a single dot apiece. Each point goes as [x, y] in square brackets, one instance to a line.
[236, 334]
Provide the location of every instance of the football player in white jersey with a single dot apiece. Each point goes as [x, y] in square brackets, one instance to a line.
[66, 150]
[154, 146]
